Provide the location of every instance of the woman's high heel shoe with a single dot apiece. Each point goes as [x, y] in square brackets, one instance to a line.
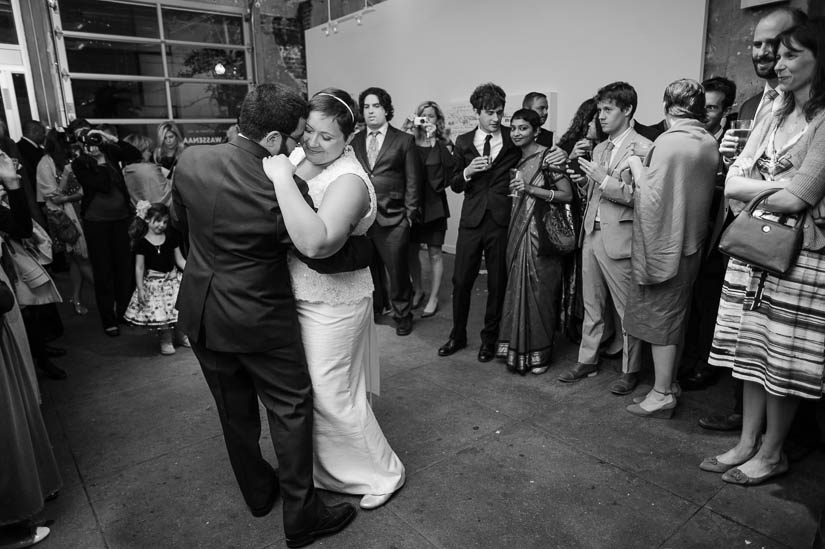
[79, 308]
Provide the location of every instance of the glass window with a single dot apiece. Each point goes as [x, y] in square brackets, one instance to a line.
[24, 108]
[114, 99]
[98, 56]
[195, 26]
[204, 134]
[199, 100]
[188, 61]
[8, 32]
[106, 17]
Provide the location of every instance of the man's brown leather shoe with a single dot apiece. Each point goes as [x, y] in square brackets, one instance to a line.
[578, 372]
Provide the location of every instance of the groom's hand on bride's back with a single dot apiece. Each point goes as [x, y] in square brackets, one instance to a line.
[356, 254]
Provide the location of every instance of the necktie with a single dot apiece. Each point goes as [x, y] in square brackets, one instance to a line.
[608, 152]
[372, 148]
[766, 107]
[486, 149]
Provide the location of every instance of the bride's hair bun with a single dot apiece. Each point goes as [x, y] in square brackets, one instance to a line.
[338, 104]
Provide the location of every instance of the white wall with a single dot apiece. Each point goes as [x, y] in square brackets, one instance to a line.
[441, 49]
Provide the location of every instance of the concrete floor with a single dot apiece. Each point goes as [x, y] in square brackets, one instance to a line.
[493, 459]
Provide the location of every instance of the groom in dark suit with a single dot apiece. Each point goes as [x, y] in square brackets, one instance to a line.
[484, 157]
[236, 306]
[390, 158]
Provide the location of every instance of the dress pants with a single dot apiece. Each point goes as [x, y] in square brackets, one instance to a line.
[604, 277]
[280, 379]
[111, 258]
[391, 246]
[490, 239]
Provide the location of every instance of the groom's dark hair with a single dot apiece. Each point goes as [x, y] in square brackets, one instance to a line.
[270, 107]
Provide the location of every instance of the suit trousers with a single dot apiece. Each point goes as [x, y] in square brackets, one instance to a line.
[489, 239]
[604, 277]
[391, 246]
[111, 259]
[280, 379]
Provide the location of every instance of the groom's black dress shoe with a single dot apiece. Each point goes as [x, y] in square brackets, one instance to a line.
[486, 352]
[451, 347]
[334, 518]
[264, 511]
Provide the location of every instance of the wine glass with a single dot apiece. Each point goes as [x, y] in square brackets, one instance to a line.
[515, 175]
[742, 130]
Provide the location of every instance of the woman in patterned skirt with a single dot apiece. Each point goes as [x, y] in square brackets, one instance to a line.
[771, 329]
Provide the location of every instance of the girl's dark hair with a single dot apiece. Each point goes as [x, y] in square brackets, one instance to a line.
[140, 226]
[334, 102]
[579, 126]
[811, 36]
[528, 115]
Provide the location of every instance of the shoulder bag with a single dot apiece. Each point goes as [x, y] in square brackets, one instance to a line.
[557, 232]
[770, 246]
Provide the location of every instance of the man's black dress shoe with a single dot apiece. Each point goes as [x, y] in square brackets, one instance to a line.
[264, 511]
[486, 352]
[50, 370]
[404, 326]
[54, 352]
[334, 518]
[729, 422]
[451, 347]
[700, 379]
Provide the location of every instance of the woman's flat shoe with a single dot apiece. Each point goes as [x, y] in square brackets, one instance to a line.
[537, 371]
[663, 412]
[736, 476]
[372, 501]
[713, 465]
[427, 314]
[79, 308]
[675, 390]
[112, 331]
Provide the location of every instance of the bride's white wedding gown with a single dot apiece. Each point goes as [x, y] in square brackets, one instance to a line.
[338, 332]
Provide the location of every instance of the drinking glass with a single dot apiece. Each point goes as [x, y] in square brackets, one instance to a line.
[742, 130]
[640, 149]
[515, 174]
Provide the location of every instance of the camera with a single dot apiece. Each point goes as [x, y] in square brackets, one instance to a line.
[420, 120]
[90, 139]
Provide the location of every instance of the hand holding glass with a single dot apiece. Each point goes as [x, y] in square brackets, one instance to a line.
[742, 130]
[640, 149]
[515, 176]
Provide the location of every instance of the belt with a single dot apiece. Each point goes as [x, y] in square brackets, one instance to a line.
[597, 226]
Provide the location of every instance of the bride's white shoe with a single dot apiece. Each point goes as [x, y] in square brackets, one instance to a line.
[373, 501]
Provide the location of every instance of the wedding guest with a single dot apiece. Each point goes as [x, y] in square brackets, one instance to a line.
[29, 474]
[106, 213]
[771, 329]
[671, 210]
[528, 322]
[144, 179]
[170, 145]
[438, 164]
[54, 185]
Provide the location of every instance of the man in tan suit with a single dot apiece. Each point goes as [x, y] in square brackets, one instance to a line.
[606, 236]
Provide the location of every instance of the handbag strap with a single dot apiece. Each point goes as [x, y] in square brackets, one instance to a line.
[761, 197]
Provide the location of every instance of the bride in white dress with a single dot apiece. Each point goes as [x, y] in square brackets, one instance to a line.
[335, 310]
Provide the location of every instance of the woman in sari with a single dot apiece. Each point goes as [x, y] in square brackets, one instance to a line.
[528, 323]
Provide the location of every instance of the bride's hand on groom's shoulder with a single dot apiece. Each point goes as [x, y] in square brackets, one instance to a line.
[278, 169]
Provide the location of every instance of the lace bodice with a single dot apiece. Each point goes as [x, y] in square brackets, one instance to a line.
[340, 288]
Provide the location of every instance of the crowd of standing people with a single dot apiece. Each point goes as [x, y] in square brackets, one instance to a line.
[272, 255]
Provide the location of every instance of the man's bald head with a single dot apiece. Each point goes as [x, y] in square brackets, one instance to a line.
[763, 49]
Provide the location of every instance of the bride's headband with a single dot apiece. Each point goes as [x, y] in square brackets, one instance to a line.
[344, 103]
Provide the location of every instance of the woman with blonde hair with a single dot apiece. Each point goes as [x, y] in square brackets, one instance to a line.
[170, 145]
[434, 150]
[145, 180]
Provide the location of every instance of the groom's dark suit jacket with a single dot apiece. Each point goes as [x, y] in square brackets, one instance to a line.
[236, 282]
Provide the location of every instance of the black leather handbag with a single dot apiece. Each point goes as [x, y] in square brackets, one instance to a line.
[764, 244]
